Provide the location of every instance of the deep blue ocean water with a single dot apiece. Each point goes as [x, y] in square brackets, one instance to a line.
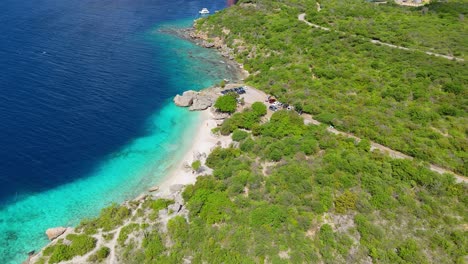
[86, 117]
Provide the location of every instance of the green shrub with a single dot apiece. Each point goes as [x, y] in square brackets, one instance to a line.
[108, 219]
[275, 155]
[284, 123]
[298, 107]
[345, 202]
[210, 206]
[178, 229]
[60, 253]
[259, 108]
[239, 135]
[79, 245]
[125, 231]
[222, 83]
[196, 165]
[100, 255]
[219, 155]
[153, 247]
[247, 145]
[268, 215]
[226, 103]
[410, 252]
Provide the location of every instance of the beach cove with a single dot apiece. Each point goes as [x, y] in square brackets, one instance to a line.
[161, 141]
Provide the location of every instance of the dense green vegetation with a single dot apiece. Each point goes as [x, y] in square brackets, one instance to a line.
[109, 218]
[77, 245]
[286, 192]
[339, 203]
[100, 255]
[408, 101]
[437, 27]
[226, 103]
[156, 205]
[196, 165]
[247, 119]
[293, 193]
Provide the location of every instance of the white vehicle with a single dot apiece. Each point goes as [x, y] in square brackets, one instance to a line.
[204, 11]
[277, 104]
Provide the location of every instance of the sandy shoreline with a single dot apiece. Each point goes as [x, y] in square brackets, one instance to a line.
[202, 144]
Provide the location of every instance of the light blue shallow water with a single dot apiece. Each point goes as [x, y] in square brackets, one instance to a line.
[99, 124]
[121, 176]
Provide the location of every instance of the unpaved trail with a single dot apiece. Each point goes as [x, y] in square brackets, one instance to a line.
[388, 151]
[254, 94]
[301, 17]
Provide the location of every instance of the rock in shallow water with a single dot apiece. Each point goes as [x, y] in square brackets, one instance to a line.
[186, 99]
[195, 100]
[153, 189]
[53, 233]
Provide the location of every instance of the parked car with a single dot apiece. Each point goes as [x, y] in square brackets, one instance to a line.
[238, 90]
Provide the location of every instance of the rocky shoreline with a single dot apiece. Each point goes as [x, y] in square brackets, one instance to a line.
[177, 208]
[202, 39]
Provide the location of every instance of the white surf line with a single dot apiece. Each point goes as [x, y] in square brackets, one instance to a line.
[301, 17]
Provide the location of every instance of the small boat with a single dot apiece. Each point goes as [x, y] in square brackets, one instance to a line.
[204, 11]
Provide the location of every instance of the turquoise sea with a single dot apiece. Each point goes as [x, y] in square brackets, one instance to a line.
[86, 108]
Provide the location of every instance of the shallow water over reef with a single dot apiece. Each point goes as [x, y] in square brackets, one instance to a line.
[86, 110]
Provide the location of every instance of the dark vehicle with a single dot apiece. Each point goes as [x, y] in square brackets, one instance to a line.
[238, 90]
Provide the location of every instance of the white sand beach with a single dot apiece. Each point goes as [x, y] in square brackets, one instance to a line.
[203, 142]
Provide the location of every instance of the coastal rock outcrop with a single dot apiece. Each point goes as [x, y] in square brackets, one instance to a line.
[153, 189]
[201, 102]
[194, 100]
[219, 115]
[141, 197]
[53, 233]
[186, 99]
[176, 188]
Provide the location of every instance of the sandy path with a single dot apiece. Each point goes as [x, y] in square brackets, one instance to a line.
[301, 17]
[254, 95]
[388, 151]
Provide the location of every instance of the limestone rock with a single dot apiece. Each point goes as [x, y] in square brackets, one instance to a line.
[176, 187]
[207, 44]
[141, 197]
[186, 99]
[201, 102]
[153, 189]
[53, 233]
[220, 116]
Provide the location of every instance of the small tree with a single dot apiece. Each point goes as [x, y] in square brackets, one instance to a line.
[298, 107]
[222, 83]
[345, 202]
[196, 165]
[226, 103]
[259, 108]
[239, 135]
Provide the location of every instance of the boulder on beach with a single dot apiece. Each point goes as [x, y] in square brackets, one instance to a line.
[186, 99]
[141, 197]
[176, 187]
[201, 102]
[53, 233]
[219, 115]
[153, 189]
[195, 100]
